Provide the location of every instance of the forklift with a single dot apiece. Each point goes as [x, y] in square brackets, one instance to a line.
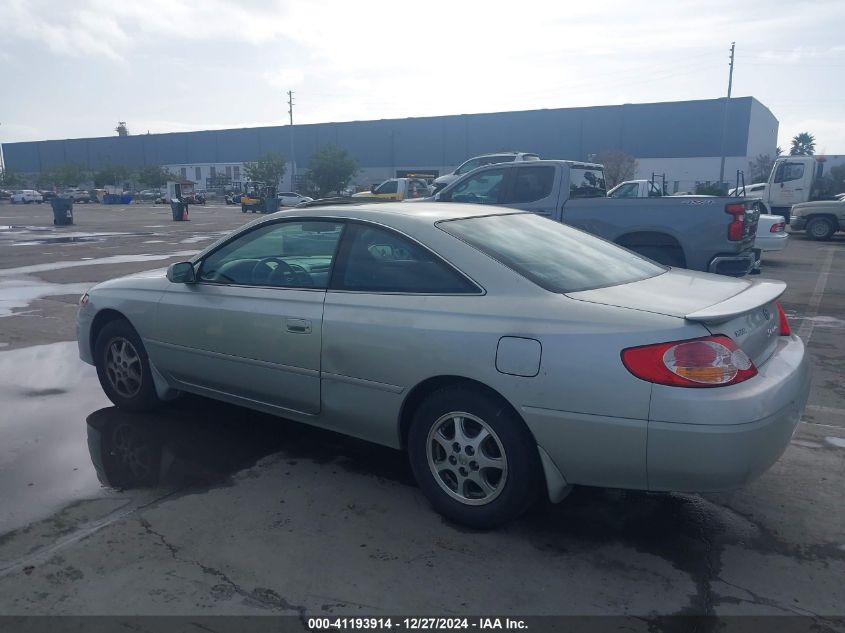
[259, 198]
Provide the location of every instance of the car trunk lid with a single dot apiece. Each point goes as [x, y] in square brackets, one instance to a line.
[743, 310]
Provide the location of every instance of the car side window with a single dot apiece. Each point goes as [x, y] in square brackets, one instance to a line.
[789, 171]
[374, 259]
[296, 254]
[391, 186]
[481, 188]
[532, 184]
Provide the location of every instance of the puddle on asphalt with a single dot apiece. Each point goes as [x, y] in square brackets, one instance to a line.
[835, 441]
[44, 461]
[59, 240]
[19, 293]
[113, 259]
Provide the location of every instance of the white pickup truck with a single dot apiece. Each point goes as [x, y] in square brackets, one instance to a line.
[397, 189]
[635, 189]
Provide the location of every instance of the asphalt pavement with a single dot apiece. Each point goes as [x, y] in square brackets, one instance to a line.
[209, 509]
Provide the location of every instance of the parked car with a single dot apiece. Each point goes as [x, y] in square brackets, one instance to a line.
[398, 189]
[507, 353]
[5, 195]
[480, 161]
[48, 195]
[771, 237]
[77, 195]
[291, 199]
[706, 233]
[820, 219]
[148, 194]
[25, 196]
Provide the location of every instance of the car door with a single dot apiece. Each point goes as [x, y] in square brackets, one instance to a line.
[251, 325]
[532, 188]
[394, 311]
[484, 186]
[788, 187]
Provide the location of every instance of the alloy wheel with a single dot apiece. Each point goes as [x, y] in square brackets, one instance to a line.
[123, 367]
[467, 458]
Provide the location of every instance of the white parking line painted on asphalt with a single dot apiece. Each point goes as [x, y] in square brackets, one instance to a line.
[806, 329]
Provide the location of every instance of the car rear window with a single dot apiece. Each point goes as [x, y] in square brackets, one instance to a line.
[554, 256]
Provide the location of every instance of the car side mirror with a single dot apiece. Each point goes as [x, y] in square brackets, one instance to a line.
[181, 273]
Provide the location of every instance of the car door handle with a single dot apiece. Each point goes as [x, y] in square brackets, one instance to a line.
[298, 326]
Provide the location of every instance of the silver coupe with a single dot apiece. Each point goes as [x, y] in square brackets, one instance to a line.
[508, 354]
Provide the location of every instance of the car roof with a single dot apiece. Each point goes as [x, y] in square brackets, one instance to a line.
[423, 212]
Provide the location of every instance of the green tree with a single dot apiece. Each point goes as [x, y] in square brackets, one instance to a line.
[803, 144]
[156, 177]
[269, 168]
[65, 175]
[112, 175]
[760, 168]
[10, 179]
[331, 168]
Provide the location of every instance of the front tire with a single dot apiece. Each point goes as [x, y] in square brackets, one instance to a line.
[820, 229]
[124, 368]
[473, 457]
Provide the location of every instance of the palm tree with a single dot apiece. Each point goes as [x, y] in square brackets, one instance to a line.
[803, 144]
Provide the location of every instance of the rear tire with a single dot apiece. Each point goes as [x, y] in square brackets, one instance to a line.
[124, 368]
[820, 229]
[473, 457]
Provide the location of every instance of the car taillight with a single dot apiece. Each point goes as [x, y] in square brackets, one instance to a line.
[737, 225]
[777, 228]
[783, 322]
[713, 361]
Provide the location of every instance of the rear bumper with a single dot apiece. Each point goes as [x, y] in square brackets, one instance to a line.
[708, 440]
[772, 242]
[733, 264]
[697, 440]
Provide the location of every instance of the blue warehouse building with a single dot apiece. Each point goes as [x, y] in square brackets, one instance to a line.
[681, 139]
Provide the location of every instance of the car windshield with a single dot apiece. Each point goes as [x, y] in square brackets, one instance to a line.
[556, 257]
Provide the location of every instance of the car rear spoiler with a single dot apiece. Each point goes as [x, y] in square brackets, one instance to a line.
[760, 293]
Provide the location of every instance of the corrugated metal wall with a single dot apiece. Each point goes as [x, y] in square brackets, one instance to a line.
[658, 130]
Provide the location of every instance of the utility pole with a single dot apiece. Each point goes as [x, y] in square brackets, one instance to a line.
[292, 154]
[725, 116]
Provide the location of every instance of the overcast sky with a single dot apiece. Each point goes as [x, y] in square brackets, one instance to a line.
[74, 68]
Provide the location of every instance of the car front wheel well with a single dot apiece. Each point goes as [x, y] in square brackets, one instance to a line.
[100, 320]
[429, 386]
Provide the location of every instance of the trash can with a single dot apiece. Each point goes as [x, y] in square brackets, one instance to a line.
[271, 205]
[62, 211]
[179, 210]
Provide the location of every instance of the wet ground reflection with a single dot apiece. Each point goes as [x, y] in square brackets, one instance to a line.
[197, 442]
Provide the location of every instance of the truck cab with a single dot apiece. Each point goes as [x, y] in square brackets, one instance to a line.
[397, 189]
[793, 180]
